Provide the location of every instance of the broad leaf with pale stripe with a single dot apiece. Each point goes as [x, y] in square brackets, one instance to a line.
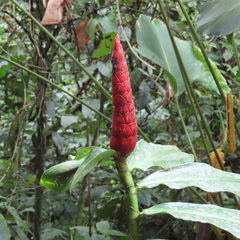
[194, 174]
[146, 155]
[227, 219]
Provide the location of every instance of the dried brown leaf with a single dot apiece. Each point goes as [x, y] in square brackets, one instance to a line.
[54, 11]
[81, 32]
[168, 94]
[231, 135]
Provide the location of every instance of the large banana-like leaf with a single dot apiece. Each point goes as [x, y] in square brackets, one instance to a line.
[155, 44]
[219, 17]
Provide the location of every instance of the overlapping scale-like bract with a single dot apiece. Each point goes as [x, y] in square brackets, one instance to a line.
[124, 128]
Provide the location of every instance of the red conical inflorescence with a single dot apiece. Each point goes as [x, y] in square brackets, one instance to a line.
[124, 128]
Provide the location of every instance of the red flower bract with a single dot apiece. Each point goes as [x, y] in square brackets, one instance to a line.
[124, 128]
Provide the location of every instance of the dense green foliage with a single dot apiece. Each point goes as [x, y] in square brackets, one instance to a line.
[55, 104]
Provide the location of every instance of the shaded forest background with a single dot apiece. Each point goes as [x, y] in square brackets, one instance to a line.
[41, 124]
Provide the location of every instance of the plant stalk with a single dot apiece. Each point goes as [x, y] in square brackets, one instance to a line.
[131, 194]
[185, 129]
[233, 43]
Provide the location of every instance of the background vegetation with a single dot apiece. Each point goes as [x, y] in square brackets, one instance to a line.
[43, 124]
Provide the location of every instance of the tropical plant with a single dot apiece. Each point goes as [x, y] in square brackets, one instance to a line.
[180, 88]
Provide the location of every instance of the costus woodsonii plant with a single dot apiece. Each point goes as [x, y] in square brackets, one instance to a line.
[124, 126]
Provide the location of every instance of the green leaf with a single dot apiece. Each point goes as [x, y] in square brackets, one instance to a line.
[227, 219]
[58, 140]
[91, 29]
[146, 155]
[20, 233]
[4, 230]
[108, 209]
[21, 223]
[219, 17]
[53, 233]
[84, 152]
[154, 43]
[91, 160]
[66, 121]
[105, 68]
[144, 96]
[109, 23]
[207, 80]
[4, 66]
[194, 174]
[50, 108]
[66, 175]
[88, 113]
[104, 228]
[59, 177]
[106, 45]
[82, 232]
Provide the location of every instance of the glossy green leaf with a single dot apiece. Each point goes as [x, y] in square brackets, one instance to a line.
[147, 155]
[59, 177]
[194, 174]
[63, 176]
[106, 45]
[154, 43]
[227, 219]
[219, 17]
[84, 152]
[90, 161]
[4, 230]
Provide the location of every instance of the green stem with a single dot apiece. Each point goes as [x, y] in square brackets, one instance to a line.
[131, 193]
[232, 41]
[146, 138]
[185, 130]
[56, 86]
[106, 93]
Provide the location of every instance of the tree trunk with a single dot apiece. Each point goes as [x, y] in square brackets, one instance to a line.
[40, 152]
